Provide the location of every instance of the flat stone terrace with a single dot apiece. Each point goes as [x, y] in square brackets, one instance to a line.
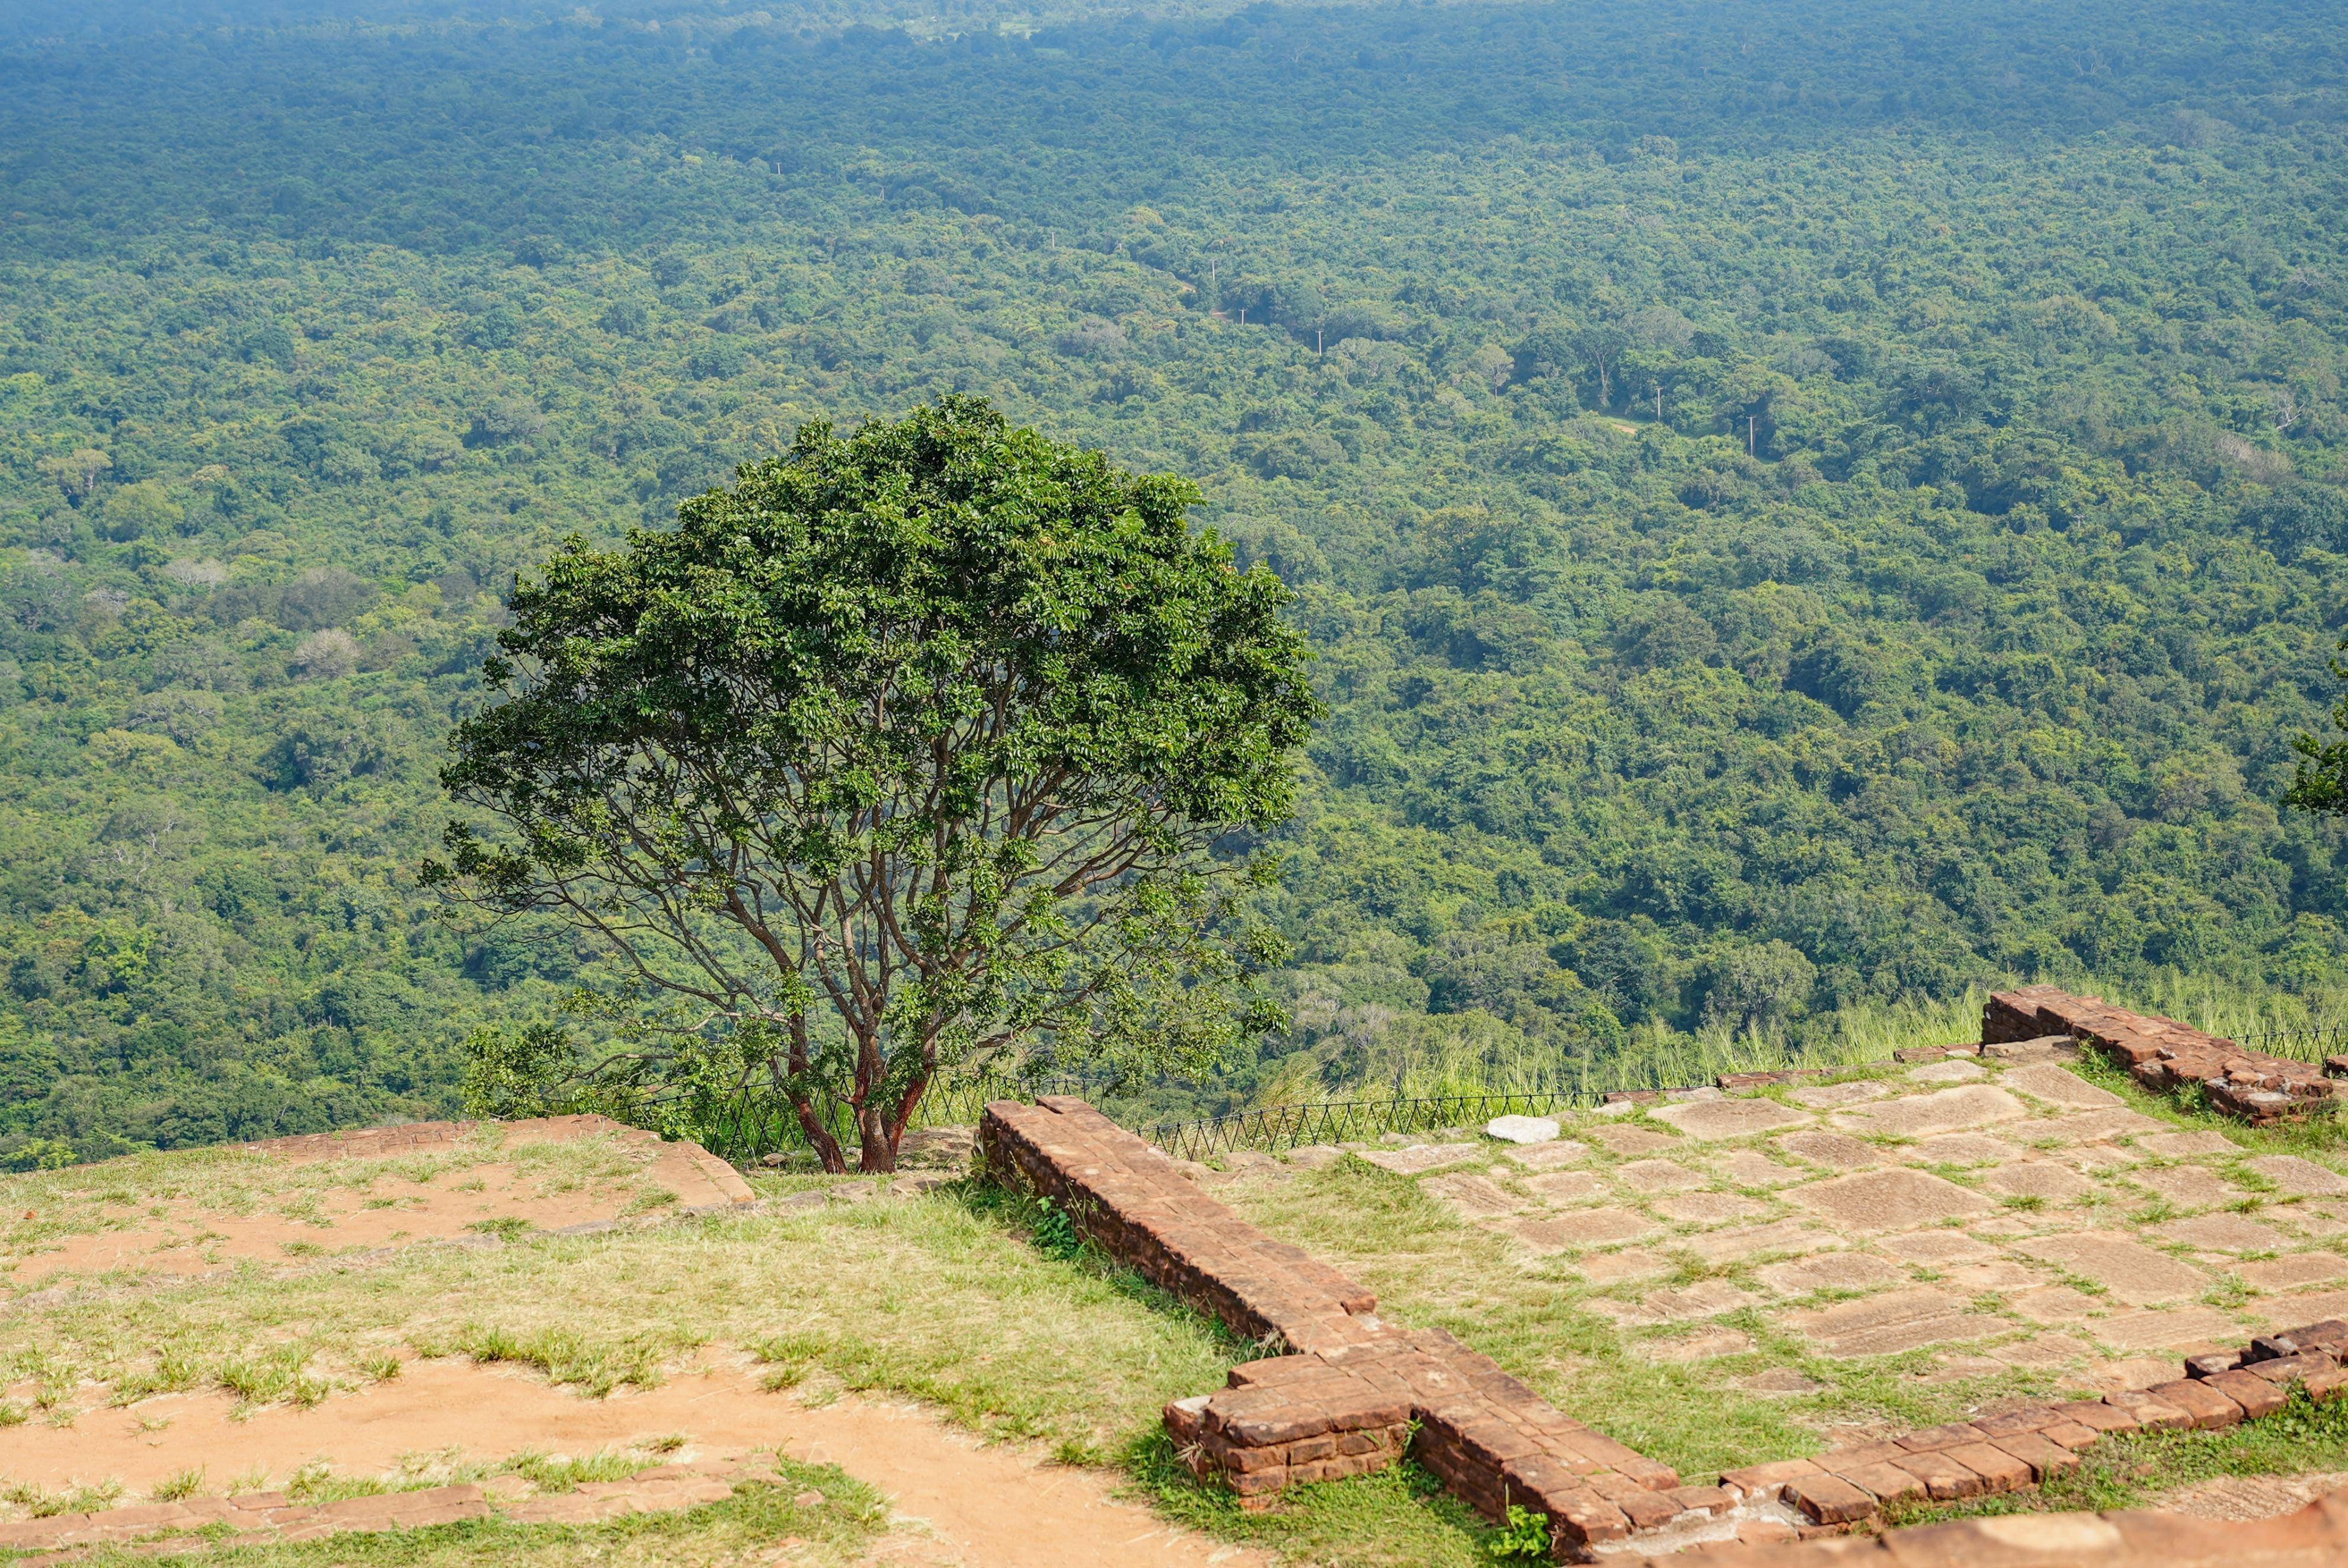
[1343, 1398]
[2163, 1054]
[2000, 1212]
[1984, 1215]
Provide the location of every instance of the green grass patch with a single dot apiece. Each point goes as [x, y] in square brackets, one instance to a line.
[762, 1522]
[597, 1364]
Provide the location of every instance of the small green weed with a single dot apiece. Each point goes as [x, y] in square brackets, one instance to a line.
[275, 1375]
[566, 1356]
[505, 1227]
[1526, 1534]
[174, 1489]
[548, 1473]
[1054, 1231]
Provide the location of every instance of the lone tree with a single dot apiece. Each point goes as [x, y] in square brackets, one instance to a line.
[2321, 782]
[919, 748]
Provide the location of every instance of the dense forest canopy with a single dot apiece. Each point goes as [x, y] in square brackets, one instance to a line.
[1799, 507]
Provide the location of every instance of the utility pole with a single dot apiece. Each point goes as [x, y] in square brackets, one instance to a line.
[1243, 315]
[1749, 450]
[1316, 343]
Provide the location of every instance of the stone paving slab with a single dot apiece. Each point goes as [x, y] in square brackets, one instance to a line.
[2183, 1329]
[1894, 1322]
[1939, 1248]
[1832, 1270]
[1652, 1176]
[2297, 1178]
[1475, 1196]
[1966, 1149]
[2130, 1271]
[2039, 1178]
[2185, 1145]
[1923, 1115]
[2189, 1186]
[2221, 1233]
[1778, 1236]
[1716, 1120]
[2291, 1273]
[1568, 1187]
[1824, 1097]
[2058, 1086]
[1633, 1142]
[1747, 1167]
[1895, 1200]
[1708, 1208]
[1835, 1150]
[1548, 1156]
[1418, 1158]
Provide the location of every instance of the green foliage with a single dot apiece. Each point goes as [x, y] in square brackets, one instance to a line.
[2320, 784]
[1054, 1231]
[1866, 491]
[928, 732]
[1526, 1534]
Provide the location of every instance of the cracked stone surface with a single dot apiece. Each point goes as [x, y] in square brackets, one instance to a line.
[1713, 1121]
[2130, 1269]
[1895, 1200]
[1923, 1114]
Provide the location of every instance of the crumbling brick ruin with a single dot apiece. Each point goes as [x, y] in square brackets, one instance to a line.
[1342, 1398]
[2165, 1054]
[1342, 1391]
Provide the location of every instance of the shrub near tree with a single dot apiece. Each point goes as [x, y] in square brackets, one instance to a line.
[2321, 783]
[916, 750]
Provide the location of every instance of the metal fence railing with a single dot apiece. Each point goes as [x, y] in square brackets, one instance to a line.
[2311, 1043]
[1278, 1127]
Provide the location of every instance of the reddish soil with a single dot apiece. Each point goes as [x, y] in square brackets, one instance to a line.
[983, 1505]
[390, 1210]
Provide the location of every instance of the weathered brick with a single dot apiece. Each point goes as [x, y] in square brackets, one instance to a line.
[1945, 1479]
[2100, 1416]
[1941, 1437]
[1645, 1510]
[2029, 1419]
[2204, 1400]
[1767, 1480]
[2285, 1370]
[2255, 1394]
[2070, 1435]
[1829, 1499]
[1885, 1481]
[2145, 1410]
[1585, 1519]
[1702, 1499]
[1999, 1471]
[2047, 1459]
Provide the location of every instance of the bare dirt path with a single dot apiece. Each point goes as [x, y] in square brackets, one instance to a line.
[977, 1505]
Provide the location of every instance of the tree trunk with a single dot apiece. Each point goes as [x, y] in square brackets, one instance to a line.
[876, 1153]
[827, 1148]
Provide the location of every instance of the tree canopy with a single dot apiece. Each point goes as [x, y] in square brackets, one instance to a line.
[910, 750]
[2320, 784]
[1796, 515]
